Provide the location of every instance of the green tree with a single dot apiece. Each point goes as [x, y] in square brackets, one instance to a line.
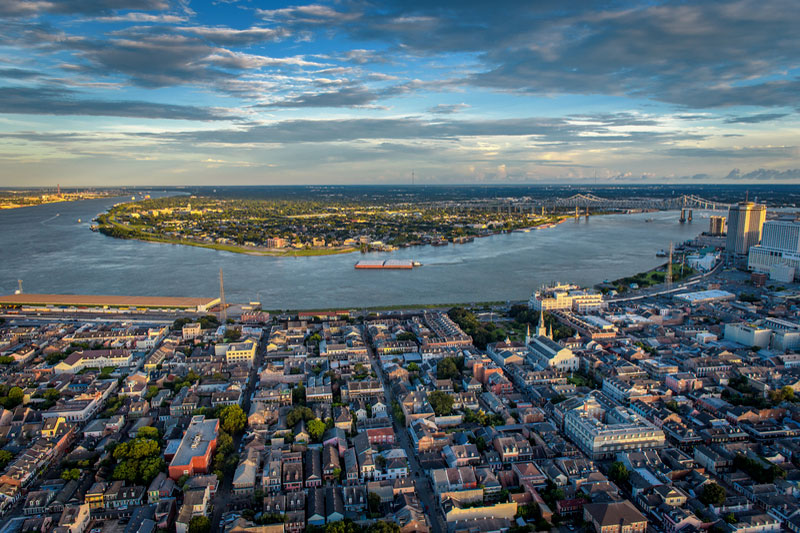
[224, 443]
[407, 336]
[299, 395]
[233, 419]
[315, 429]
[148, 432]
[71, 474]
[413, 367]
[232, 334]
[374, 503]
[441, 402]
[6, 360]
[15, 397]
[447, 368]
[200, 524]
[713, 494]
[618, 473]
[5, 458]
[299, 413]
[382, 526]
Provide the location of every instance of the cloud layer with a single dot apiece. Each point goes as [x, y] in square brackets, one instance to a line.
[360, 91]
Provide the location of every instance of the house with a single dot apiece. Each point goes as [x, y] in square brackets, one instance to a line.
[195, 503]
[614, 517]
[161, 487]
[331, 465]
[334, 505]
[75, 518]
[313, 467]
[244, 478]
[316, 507]
[292, 476]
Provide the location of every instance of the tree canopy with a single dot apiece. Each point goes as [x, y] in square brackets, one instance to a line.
[441, 402]
[713, 494]
[233, 419]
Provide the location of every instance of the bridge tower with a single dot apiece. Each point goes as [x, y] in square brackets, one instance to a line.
[577, 215]
[690, 215]
[587, 211]
[668, 275]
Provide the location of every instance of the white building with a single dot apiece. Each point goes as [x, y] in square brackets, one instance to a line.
[779, 252]
[748, 334]
[191, 331]
[619, 430]
[546, 353]
[566, 296]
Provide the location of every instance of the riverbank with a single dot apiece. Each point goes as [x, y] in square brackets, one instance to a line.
[109, 226]
[650, 278]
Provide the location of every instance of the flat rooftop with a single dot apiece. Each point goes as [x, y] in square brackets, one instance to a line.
[90, 300]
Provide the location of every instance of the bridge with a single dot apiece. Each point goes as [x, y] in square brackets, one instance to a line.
[593, 202]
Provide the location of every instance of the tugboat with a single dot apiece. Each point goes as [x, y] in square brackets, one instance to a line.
[661, 253]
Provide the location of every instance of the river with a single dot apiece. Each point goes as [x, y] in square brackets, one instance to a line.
[52, 252]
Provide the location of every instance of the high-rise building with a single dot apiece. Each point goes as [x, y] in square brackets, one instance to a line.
[779, 251]
[745, 221]
[716, 225]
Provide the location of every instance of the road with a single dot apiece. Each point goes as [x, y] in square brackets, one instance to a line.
[224, 489]
[421, 481]
[658, 292]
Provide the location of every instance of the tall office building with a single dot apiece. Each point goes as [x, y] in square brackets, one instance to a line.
[745, 221]
[779, 251]
[716, 225]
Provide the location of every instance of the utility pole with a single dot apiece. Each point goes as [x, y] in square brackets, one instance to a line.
[224, 312]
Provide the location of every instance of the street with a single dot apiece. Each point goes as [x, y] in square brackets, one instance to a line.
[424, 489]
[223, 491]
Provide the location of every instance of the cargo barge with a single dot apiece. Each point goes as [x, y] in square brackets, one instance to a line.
[389, 264]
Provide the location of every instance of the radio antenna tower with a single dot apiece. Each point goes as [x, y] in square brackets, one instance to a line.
[668, 276]
[224, 313]
[412, 177]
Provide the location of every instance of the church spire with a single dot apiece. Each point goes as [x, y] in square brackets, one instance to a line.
[541, 330]
[528, 335]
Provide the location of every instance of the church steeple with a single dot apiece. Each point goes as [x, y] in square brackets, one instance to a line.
[528, 336]
[541, 331]
[550, 332]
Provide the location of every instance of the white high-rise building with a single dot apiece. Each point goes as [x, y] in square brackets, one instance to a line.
[745, 221]
[779, 251]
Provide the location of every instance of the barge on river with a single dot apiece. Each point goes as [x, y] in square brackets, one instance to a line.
[389, 264]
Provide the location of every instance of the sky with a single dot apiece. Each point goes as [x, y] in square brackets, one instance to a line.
[184, 92]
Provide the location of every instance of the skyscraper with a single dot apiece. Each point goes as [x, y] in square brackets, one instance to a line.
[744, 226]
[716, 225]
[779, 251]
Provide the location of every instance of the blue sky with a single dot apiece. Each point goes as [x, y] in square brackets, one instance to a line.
[149, 92]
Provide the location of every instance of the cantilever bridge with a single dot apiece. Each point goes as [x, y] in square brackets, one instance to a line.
[593, 201]
[597, 203]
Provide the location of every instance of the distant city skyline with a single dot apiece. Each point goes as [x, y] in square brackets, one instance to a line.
[174, 92]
